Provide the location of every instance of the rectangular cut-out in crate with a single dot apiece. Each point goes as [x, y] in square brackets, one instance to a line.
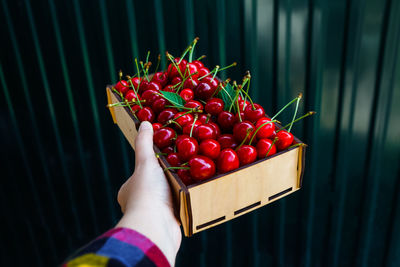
[226, 196]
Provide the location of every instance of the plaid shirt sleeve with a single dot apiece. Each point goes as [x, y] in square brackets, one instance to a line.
[119, 247]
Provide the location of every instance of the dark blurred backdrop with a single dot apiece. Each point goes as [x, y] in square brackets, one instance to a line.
[63, 160]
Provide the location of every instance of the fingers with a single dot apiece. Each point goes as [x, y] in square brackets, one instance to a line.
[144, 144]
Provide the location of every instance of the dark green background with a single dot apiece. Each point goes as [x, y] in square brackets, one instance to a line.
[63, 160]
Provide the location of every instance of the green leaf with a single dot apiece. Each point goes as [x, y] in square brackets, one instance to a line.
[227, 94]
[174, 99]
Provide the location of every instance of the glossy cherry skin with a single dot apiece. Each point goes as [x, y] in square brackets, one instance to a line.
[135, 82]
[285, 139]
[159, 105]
[187, 94]
[210, 148]
[169, 88]
[191, 83]
[214, 106]
[135, 108]
[212, 82]
[166, 115]
[205, 131]
[241, 117]
[253, 114]
[143, 85]
[122, 86]
[192, 70]
[172, 70]
[174, 160]
[202, 118]
[216, 128]
[185, 176]
[226, 120]
[267, 130]
[156, 126]
[247, 154]
[198, 63]
[188, 127]
[243, 104]
[168, 150]
[180, 138]
[201, 167]
[164, 137]
[187, 148]
[150, 96]
[161, 78]
[241, 129]
[203, 91]
[146, 114]
[130, 95]
[183, 119]
[176, 80]
[228, 160]
[227, 141]
[203, 71]
[263, 146]
[194, 104]
[154, 86]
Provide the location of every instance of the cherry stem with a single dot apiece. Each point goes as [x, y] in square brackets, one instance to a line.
[184, 53]
[193, 46]
[177, 168]
[147, 57]
[194, 122]
[223, 88]
[134, 90]
[120, 75]
[238, 108]
[244, 140]
[295, 111]
[201, 57]
[174, 122]
[172, 59]
[310, 113]
[236, 97]
[161, 154]
[144, 71]
[282, 109]
[208, 117]
[273, 142]
[215, 69]
[158, 63]
[247, 95]
[262, 125]
[123, 104]
[138, 70]
[246, 81]
[295, 145]
[119, 93]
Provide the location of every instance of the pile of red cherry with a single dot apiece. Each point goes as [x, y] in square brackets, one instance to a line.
[203, 126]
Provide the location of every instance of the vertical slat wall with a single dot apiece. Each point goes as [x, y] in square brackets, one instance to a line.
[63, 160]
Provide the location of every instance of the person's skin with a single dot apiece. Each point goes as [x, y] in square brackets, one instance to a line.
[146, 201]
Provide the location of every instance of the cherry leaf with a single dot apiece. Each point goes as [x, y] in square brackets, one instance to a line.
[174, 99]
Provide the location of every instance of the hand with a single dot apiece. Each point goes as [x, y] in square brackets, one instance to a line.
[146, 201]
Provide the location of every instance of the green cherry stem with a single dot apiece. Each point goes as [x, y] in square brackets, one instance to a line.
[236, 96]
[262, 125]
[201, 57]
[244, 140]
[120, 75]
[158, 63]
[238, 108]
[177, 168]
[310, 113]
[184, 53]
[273, 142]
[144, 71]
[172, 59]
[287, 105]
[194, 122]
[216, 71]
[193, 46]
[247, 96]
[296, 145]
[147, 57]
[295, 111]
[134, 90]
[137, 67]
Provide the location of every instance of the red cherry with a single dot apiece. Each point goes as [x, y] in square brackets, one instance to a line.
[210, 148]
[176, 80]
[172, 70]
[168, 150]
[183, 119]
[135, 108]
[154, 86]
[166, 115]
[159, 105]
[227, 141]
[122, 86]
[214, 106]
[285, 139]
[204, 131]
[150, 96]
[202, 118]
[226, 120]
[146, 114]
[213, 82]
[263, 146]
[193, 69]
[130, 95]
[198, 63]
[143, 86]
[201, 167]
[164, 137]
[191, 83]
[180, 138]
[241, 129]
[160, 78]
[203, 91]
[247, 154]
[156, 126]
[241, 116]
[228, 160]
[184, 175]
[242, 103]
[135, 82]
[188, 127]
[169, 88]
[253, 114]
[266, 131]
[173, 160]
[194, 104]
[187, 148]
[215, 127]
[187, 94]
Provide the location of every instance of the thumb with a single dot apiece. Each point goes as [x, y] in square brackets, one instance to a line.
[144, 144]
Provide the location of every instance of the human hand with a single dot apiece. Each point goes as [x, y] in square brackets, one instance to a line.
[146, 201]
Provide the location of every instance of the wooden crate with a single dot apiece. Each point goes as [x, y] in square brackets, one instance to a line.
[226, 196]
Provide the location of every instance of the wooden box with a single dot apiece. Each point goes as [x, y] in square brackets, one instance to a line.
[226, 196]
